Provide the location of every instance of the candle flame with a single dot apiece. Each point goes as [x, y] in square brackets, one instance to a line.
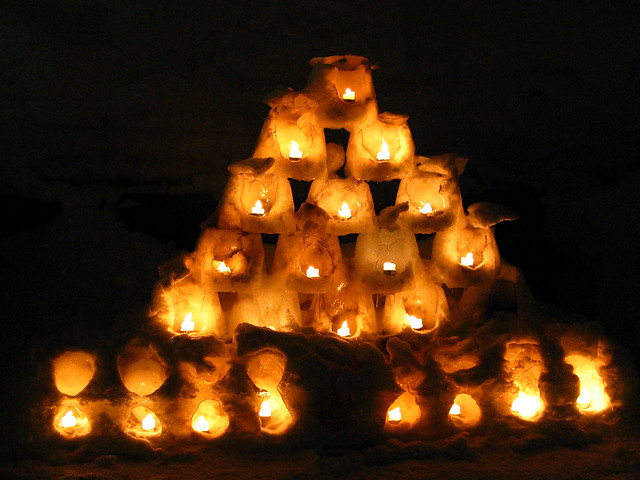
[68, 420]
[257, 208]
[426, 208]
[389, 267]
[187, 325]
[584, 400]
[455, 409]
[148, 422]
[349, 94]
[222, 268]
[467, 260]
[294, 152]
[394, 415]
[414, 322]
[384, 154]
[345, 211]
[313, 272]
[344, 330]
[201, 424]
[527, 406]
[265, 409]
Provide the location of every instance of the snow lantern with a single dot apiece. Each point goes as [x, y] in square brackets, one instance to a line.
[593, 397]
[382, 149]
[72, 371]
[292, 136]
[255, 199]
[386, 258]
[524, 366]
[403, 413]
[343, 87]
[141, 370]
[210, 419]
[308, 258]
[465, 412]
[231, 259]
[266, 369]
[142, 422]
[272, 305]
[348, 203]
[71, 422]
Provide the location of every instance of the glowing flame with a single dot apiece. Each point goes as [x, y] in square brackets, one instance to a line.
[313, 272]
[455, 409]
[467, 260]
[394, 415]
[389, 268]
[426, 208]
[414, 322]
[201, 424]
[68, 420]
[257, 208]
[187, 325]
[593, 396]
[584, 400]
[349, 95]
[527, 406]
[148, 422]
[344, 330]
[384, 154]
[222, 268]
[265, 409]
[294, 152]
[345, 211]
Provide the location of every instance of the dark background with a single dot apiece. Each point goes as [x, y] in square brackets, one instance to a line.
[122, 117]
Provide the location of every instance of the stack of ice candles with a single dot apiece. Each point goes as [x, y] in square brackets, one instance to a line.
[327, 341]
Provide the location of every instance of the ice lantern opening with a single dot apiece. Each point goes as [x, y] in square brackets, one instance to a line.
[142, 422]
[210, 419]
[71, 422]
[465, 412]
[593, 397]
[404, 412]
[141, 369]
[427, 204]
[72, 371]
[524, 366]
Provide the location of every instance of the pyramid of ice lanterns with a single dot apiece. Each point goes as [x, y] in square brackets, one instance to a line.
[317, 336]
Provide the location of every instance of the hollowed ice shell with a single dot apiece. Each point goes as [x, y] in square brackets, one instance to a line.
[72, 371]
[141, 370]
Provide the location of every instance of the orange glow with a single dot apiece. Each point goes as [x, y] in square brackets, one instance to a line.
[349, 95]
[527, 407]
[344, 330]
[403, 412]
[265, 409]
[394, 415]
[201, 424]
[384, 154]
[71, 422]
[467, 260]
[313, 272]
[464, 412]
[455, 409]
[148, 423]
[389, 268]
[414, 322]
[257, 209]
[222, 268]
[187, 325]
[68, 420]
[209, 419]
[345, 211]
[294, 152]
[593, 397]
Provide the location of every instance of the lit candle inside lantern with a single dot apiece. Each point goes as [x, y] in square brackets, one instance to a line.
[265, 409]
[294, 152]
[349, 95]
[426, 208]
[68, 420]
[148, 422]
[467, 260]
[344, 330]
[389, 268]
[257, 209]
[455, 409]
[394, 415]
[344, 212]
[527, 406]
[222, 268]
[384, 154]
[187, 325]
[313, 272]
[414, 322]
[584, 400]
[201, 425]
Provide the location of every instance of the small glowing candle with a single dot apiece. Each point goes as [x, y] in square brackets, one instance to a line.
[187, 325]
[68, 420]
[394, 415]
[265, 409]
[389, 268]
[257, 209]
[527, 406]
[426, 208]
[222, 268]
[467, 260]
[313, 272]
[344, 330]
[344, 212]
[584, 400]
[414, 322]
[383, 154]
[294, 152]
[349, 95]
[201, 424]
[148, 422]
[455, 409]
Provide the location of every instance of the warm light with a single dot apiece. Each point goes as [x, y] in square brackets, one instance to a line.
[201, 425]
[394, 415]
[187, 325]
[68, 420]
[467, 260]
[526, 406]
[426, 208]
[313, 272]
[265, 409]
[389, 268]
[222, 268]
[584, 399]
[384, 154]
[455, 409]
[593, 397]
[294, 152]
[257, 209]
[148, 423]
[414, 322]
[345, 211]
[349, 95]
[344, 330]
